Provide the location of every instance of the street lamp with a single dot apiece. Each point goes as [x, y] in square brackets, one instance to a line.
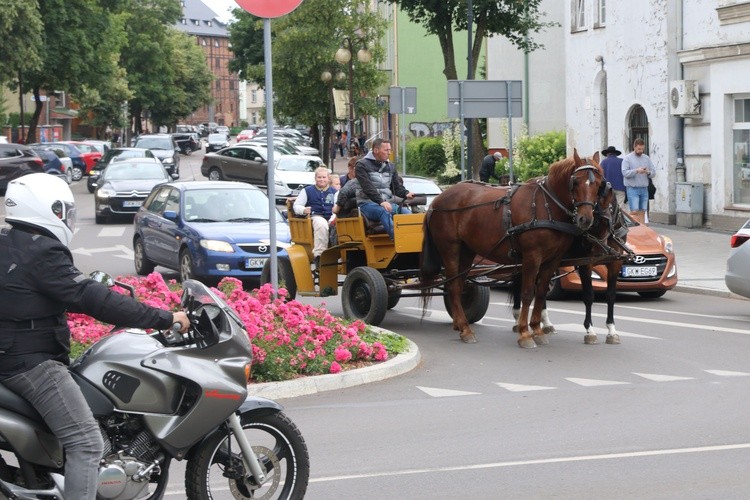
[344, 56]
[327, 78]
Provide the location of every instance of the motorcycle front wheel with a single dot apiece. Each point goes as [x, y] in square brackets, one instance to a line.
[280, 448]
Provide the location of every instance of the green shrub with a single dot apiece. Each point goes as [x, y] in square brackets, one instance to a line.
[432, 157]
[533, 155]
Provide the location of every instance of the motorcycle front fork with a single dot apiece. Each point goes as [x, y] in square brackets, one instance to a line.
[249, 458]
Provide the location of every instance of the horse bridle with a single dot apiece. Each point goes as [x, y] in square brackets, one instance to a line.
[572, 184]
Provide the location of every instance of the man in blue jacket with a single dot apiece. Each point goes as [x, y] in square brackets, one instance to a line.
[612, 166]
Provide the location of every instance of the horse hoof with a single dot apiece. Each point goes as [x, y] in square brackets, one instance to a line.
[613, 339]
[526, 343]
[515, 328]
[541, 339]
[549, 330]
[469, 339]
[591, 339]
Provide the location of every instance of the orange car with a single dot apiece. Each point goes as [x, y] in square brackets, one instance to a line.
[651, 273]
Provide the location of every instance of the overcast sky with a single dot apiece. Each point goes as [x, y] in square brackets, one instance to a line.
[222, 7]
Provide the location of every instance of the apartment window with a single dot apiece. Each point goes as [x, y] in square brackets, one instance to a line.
[231, 84]
[196, 22]
[255, 118]
[216, 43]
[210, 23]
[600, 13]
[217, 63]
[184, 21]
[253, 96]
[638, 127]
[218, 84]
[741, 151]
[578, 17]
[203, 42]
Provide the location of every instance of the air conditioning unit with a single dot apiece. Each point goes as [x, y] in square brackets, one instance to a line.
[683, 98]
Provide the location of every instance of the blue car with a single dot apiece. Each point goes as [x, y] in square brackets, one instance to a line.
[207, 230]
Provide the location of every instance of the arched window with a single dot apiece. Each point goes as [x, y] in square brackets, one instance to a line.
[638, 125]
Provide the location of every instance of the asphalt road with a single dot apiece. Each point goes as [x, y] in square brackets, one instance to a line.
[663, 415]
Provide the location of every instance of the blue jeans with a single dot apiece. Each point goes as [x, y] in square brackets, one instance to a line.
[50, 388]
[373, 211]
[637, 198]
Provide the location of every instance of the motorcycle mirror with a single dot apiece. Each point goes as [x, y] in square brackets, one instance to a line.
[102, 278]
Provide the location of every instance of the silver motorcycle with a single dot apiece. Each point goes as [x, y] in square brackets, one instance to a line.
[164, 396]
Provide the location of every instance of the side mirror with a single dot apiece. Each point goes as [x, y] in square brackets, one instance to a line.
[170, 215]
[103, 278]
[175, 175]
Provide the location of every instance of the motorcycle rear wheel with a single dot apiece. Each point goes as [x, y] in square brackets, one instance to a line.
[280, 448]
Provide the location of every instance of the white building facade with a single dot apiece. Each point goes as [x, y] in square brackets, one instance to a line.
[677, 74]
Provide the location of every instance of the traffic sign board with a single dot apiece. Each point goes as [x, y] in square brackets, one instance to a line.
[269, 8]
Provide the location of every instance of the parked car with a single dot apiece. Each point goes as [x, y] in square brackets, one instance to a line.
[245, 135]
[206, 230]
[293, 144]
[221, 129]
[17, 160]
[101, 146]
[422, 186]
[293, 173]
[114, 154]
[215, 142]
[123, 186]
[53, 164]
[241, 162]
[651, 273]
[72, 152]
[164, 148]
[279, 146]
[737, 276]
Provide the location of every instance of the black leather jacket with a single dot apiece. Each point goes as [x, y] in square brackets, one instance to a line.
[378, 181]
[38, 284]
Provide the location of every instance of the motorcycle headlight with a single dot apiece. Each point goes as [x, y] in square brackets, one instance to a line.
[217, 246]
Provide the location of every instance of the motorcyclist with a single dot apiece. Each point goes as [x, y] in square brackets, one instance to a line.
[38, 284]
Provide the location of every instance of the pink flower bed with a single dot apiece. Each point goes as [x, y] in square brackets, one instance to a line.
[290, 339]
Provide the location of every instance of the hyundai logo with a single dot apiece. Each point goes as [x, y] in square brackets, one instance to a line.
[639, 259]
[262, 249]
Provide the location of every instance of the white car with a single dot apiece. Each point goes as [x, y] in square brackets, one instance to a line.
[737, 276]
[293, 173]
[422, 186]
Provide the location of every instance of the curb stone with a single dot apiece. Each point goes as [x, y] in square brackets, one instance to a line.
[303, 386]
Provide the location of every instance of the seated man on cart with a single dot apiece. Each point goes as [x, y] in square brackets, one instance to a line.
[317, 202]
[379, 182]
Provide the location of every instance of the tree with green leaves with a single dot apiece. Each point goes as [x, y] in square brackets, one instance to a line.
[304, 45]
[515, 20]
[20, 38]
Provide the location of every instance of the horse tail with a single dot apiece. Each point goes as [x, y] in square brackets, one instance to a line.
[430, 264]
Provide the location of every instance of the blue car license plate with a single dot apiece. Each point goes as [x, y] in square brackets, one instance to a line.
[255, 262]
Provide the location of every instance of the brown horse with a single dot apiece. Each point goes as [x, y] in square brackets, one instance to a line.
[531, 225]
[603, 244]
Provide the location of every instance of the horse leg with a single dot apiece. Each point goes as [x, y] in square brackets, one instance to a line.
[454, 267]
[540, 304]
[515, 288]
[587, 291]
[613, 270]
[529, 272]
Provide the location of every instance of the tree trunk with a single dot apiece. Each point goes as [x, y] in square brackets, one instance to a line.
[38, 105]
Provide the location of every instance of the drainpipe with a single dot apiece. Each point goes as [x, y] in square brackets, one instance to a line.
[680, 170]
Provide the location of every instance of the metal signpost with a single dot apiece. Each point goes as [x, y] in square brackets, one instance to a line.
[403, 102]
[268, 9]
[486, 99]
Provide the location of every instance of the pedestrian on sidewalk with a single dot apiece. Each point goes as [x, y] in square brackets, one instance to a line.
[612, 166]
[637, 169]
[487, 170]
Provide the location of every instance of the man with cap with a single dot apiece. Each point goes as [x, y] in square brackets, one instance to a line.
[612, 166]
[487, 170]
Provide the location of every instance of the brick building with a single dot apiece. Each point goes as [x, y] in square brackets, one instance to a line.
[212, 36]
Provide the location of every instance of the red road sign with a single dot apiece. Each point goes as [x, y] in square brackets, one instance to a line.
[269, 8]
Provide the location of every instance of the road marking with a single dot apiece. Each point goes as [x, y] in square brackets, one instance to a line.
[436, 392]
[523, 388]
[662, 378]
[112, 232]
[540, 461]
[679, 313]
[575, 328]
[652, 321]
[726, 373]
[592, 382]
[127, 253]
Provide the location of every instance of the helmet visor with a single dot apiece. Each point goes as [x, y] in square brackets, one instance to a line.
[66, 212]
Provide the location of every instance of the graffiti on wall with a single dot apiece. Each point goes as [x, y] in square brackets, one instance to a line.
[434, 129]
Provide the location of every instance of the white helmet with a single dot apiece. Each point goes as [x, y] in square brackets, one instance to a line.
[42, 201]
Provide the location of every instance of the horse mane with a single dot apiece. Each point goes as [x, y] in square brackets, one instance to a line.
[559, 172]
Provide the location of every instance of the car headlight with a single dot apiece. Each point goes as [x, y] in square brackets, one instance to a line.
[217, 246]
[105, 193]
[667, 243]
[169, 160]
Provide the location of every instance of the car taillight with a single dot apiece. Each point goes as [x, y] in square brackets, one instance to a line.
[39, 162]
[738, 239]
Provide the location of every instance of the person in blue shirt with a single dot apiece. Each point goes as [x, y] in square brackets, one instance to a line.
[612, 166]
[317, 202]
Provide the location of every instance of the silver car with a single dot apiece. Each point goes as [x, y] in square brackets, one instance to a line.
[737, 276]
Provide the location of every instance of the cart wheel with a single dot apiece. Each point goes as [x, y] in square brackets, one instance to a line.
[286, 276]
[393, 297]
[365, 295]
[475, 301]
